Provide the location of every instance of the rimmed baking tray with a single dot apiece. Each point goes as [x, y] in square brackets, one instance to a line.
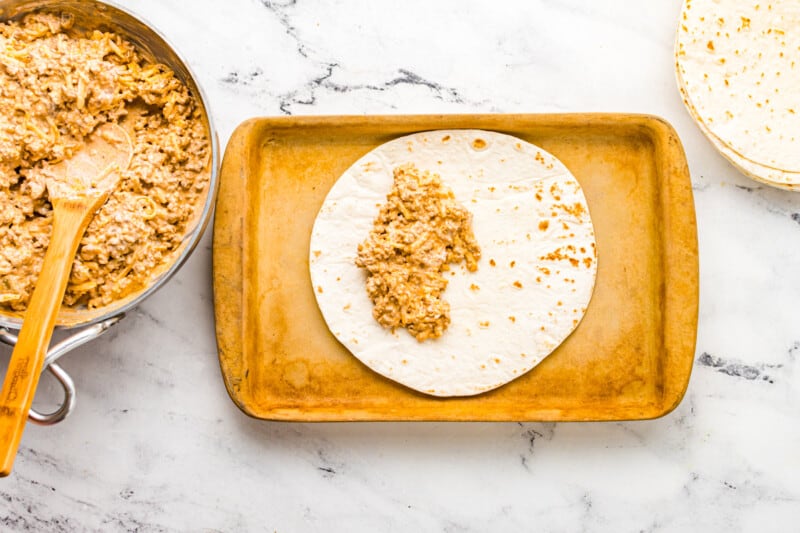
[630, 358]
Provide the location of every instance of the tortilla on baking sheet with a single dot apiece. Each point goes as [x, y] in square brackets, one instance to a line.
[534, 280]
[739, 74]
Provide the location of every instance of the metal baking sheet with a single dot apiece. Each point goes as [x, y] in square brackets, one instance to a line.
[630, 358]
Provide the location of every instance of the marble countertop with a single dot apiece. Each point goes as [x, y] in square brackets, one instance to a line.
[155, 444]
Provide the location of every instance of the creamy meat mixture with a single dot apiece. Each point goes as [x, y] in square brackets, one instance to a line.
[420, 231]
[57, 85]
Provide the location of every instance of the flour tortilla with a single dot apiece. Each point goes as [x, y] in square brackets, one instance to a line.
[500, 330]
[769, 176]
[739, 71]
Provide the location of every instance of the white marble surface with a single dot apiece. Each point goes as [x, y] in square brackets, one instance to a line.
[156, 445]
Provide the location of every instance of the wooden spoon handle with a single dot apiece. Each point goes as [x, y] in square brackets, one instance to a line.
[70, 218]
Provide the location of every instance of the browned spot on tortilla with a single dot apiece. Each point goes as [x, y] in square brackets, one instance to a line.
[317, 253]
[492, 262]
[479, 144]
[445, 138]
[575, 209]
[517, 284]
[512, 318]
[319, 289]
[559, 255]
[544, 224]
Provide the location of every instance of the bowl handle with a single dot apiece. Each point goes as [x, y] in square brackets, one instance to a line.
[53, 354]
[66, 406]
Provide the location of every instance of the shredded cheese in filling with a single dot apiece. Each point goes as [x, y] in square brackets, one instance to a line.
[420, 231]
[57, 85]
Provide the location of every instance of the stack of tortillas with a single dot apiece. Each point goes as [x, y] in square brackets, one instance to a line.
[738, 69]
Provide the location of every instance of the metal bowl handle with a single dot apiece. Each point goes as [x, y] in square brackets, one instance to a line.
[53, 354]
[66, 406]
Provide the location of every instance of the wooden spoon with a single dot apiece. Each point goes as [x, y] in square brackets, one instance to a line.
[77, 187]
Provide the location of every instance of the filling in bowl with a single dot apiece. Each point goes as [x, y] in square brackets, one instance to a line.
[57, 84]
